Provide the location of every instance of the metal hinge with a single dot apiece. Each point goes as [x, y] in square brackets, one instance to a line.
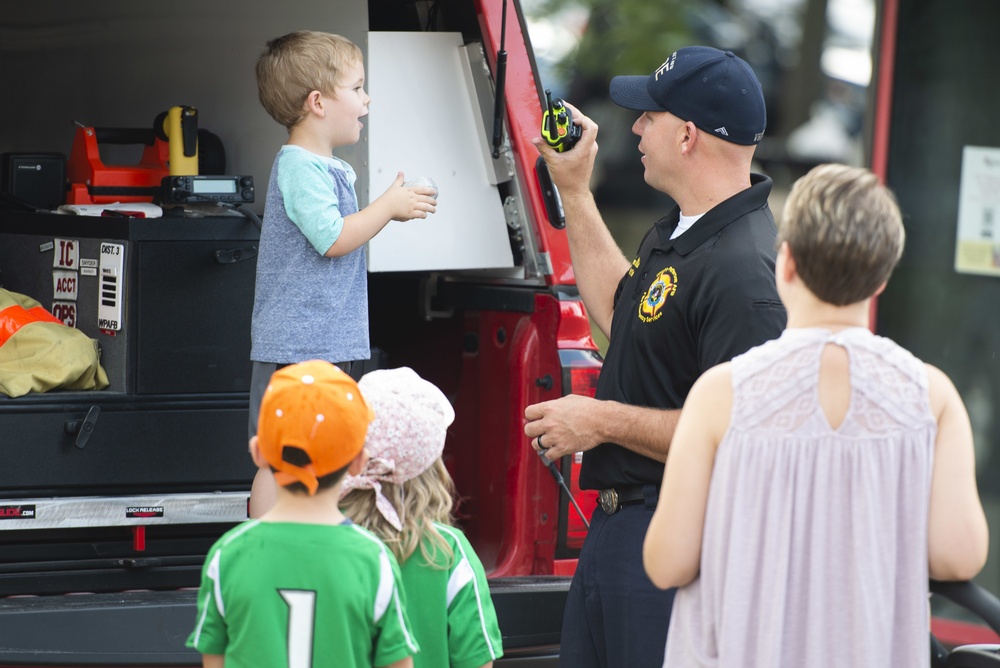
[512, 213]
[504, 165]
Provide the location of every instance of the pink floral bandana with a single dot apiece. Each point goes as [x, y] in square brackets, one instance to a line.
[407, 436]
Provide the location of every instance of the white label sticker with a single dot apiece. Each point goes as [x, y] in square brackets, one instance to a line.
[64, 284]
[88, 271]
[977, 250]
[111, 290]
[88, 262]
[66, 255]
[65, 311]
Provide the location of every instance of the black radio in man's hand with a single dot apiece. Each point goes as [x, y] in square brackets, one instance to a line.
[194, 189]
[558, 128]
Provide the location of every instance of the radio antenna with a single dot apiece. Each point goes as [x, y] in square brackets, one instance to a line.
[501, 77]
[554, 470]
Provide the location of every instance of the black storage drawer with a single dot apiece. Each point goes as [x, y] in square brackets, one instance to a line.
[173, 444]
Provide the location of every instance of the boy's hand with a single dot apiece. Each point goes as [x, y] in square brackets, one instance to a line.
[405, 203]
[398, 202]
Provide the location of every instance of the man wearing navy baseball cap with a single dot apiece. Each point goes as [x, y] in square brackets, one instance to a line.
[713, 89]
[699, 291]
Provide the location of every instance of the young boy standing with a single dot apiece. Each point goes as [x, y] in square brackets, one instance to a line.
[311, 299]
[303, 585]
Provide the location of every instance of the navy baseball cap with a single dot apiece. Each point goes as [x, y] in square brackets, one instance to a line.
[716, 90]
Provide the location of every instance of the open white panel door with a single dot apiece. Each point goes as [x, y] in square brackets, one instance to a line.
[424, 121]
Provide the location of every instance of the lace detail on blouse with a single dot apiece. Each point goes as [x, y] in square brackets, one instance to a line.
[775, 389]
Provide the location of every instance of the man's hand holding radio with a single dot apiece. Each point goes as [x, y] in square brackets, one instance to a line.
[571, 169]
[597, 261]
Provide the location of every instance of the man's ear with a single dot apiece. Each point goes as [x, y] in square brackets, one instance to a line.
[880, 289]
[689, 136]
[357, 464]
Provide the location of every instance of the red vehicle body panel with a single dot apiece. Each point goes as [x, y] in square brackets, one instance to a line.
[524, 115]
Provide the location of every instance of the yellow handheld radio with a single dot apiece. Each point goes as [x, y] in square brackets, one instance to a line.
[558, 128]
[179, 127]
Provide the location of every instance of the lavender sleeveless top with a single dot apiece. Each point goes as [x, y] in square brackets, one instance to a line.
[815, 541]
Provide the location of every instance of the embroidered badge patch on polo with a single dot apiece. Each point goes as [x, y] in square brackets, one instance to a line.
[663, 286]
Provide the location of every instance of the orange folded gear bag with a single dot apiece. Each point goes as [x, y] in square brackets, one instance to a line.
[39, 353]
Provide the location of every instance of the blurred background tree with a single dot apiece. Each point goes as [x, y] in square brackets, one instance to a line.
[620, 36]
[813, 58]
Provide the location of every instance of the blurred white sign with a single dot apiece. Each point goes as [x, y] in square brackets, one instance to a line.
[977, 250]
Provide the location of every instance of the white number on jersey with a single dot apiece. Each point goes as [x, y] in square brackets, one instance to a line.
[301, 625]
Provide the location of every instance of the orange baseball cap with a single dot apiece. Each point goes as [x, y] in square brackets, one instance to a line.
[316, 407]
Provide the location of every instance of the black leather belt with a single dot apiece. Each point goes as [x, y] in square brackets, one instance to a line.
[613, 498]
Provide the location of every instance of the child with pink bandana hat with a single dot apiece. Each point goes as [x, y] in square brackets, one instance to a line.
[405, 495]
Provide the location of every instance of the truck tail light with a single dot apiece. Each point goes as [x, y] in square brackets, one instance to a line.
[580, 369]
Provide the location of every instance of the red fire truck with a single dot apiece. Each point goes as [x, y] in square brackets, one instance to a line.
[110, 499]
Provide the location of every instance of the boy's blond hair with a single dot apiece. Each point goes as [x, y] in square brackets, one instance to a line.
[844, 230]
[294, 65]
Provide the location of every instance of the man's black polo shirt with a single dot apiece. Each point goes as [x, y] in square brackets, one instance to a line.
[684, 306]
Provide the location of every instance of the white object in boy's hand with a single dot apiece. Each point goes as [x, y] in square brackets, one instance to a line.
[423, 182]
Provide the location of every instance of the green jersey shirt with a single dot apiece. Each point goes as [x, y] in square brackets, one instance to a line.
[457, 625]
[303, 596]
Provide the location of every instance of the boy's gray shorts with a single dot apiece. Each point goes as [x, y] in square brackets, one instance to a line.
[260, 376]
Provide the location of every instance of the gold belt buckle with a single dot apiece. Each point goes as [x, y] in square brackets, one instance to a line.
[609, 501]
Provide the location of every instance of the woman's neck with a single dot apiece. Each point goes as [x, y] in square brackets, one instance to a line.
[817, 314]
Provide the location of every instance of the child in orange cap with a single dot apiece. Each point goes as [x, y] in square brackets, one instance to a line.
[303, 585]
[405, 496]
